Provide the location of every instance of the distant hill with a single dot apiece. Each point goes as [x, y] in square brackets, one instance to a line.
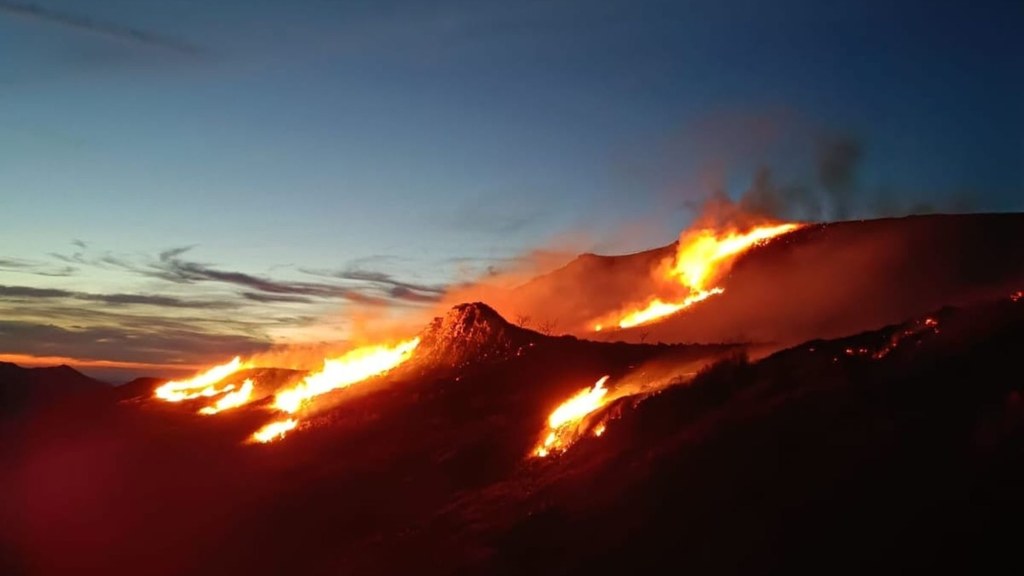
[25, 388]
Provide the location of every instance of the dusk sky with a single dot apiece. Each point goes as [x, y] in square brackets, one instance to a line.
[181, 180]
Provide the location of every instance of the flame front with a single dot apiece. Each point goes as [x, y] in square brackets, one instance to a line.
[231, 400]
[274, 430]
[703, 257]
[564, 422]
[201, 385]
[341, 372]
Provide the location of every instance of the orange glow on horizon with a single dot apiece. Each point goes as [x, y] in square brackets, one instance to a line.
[45, 361]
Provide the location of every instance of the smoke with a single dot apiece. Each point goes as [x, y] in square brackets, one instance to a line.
[838, 160]
[835, 192]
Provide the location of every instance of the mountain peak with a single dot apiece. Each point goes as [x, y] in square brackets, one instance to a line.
[471, 332]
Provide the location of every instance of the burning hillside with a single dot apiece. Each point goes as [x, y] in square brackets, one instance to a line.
[444, 461]
[703, 256]
[475, 445]
[812, 281]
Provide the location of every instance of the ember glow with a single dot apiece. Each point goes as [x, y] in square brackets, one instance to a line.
[703, 257]
[274, 430]
[201, 385]
[231, 400]
[565, 422]
[914, 332]
[341, 372]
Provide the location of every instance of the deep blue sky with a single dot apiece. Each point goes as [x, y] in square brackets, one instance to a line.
[413, 142]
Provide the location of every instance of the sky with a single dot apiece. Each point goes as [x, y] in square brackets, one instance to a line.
[182, 180]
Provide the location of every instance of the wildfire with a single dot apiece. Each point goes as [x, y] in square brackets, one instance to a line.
[201, 385]
[564, 422]
[341, 372]
[274, 430]
[703, 257]
[231, 399]
[918, 330]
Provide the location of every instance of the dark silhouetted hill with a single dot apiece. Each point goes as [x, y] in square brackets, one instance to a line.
[23, 389]
[898, 450]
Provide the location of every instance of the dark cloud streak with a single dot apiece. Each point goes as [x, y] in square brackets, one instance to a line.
[172, 268]
[11, 292]
[137, 344]
[106, 29]
[37, 268]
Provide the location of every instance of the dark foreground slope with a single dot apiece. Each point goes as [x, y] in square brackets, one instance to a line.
[893, 451]
[844, 456]
[824, 280]
[173, 492]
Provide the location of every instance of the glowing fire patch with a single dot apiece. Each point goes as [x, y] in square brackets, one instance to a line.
[703, 257]
[918, 330]
[201, 385]
[274, 430]
[341, 372]
[231, 400]
[564, 422]
[657, 309]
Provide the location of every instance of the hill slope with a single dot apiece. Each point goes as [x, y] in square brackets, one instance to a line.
[824, 280]
[830, 453]
[23, 389]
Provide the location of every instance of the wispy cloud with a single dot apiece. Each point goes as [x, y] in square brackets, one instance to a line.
[385, 283]
[35, 267]
[107, 29]
[182, 310]
[353, 285]
[106, 342]
[23, 292]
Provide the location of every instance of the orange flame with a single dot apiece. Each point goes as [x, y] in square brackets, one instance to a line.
[704, 256]
[274, 430]
[201, 385]
[231, 400]
[354, 366]
[564, 421]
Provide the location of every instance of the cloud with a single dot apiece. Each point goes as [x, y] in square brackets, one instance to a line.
[34, 267]
[12, 292]
[356, 285]
[385, 285]
[105, 29]
[171, 267]
[838, 160]
[267, 298]
[126, 343]
[372, 288]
